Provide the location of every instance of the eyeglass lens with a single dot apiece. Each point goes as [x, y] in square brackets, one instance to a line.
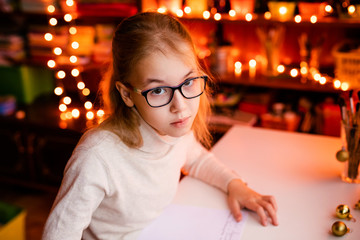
[161, 96]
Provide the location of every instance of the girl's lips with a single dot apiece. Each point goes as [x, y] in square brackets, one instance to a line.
[180, 122]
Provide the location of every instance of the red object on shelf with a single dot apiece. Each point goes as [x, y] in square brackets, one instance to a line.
[255, 108]
[331, 119]
[106, 9]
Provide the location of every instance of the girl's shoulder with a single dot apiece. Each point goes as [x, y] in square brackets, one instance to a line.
[99, 137]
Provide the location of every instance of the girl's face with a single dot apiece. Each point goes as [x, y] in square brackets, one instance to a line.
[176, 118]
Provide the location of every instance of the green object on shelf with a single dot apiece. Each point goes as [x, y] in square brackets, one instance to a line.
[25, 82]
[12, 222]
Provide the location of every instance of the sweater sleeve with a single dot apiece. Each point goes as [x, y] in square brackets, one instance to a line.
[203, 165]
[84, 186]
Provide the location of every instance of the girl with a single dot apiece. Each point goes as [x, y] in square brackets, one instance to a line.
[124, 172]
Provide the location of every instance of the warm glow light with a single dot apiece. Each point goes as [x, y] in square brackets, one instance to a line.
[75, 113]
[51, 63]
[86, 92]
[51, 8]
[52, 21]
[248, 17]
[252, 68]
[75, 45]
[161, 10]
[62, 107]
[217, 16]
[280, 68]
[68, 115]
[48, 36]
[283, 10]
[297, 19]
[313, 19]
[73, 59]
[57, 51]
[58, 91]
[187, 10]
[294, 72]
[267, 15]
[337, 84]
[88, 105]
[213, 10]
[252, 63]
[238, 65]
[70, 3]
[67, 100]
[232, 13]
[60, 74]
[81, 85]
[322, 80]
[328, 9]
[206, 14]
[90, 115]
[68, 17]
[304, 70]
[179, 13]
[351, 9]
[20, 114]
[62, 124]
[72, 30]
[317, 76]
[100, 113]
[75, 72]
[63, 116]
[344, 86]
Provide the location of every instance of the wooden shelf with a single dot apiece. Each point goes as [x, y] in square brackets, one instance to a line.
[278, 82]
[260, 20]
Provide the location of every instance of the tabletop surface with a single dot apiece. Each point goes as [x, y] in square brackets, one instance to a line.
[299, 169]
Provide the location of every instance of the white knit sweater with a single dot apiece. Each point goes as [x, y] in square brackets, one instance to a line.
[111, 191]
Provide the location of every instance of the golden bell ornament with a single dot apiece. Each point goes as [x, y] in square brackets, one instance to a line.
[342, 155]
[339, 228]
[343, 211]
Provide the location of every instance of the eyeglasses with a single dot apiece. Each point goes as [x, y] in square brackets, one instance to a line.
[161, 96]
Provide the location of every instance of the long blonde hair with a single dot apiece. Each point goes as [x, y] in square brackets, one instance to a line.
[135, 38]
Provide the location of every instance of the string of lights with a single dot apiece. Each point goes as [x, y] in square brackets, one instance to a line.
[68, 112]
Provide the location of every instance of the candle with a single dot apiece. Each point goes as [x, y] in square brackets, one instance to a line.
[197, 7]
[238, 68]
[252, 68]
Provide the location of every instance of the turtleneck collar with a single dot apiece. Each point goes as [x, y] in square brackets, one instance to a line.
[153, 142]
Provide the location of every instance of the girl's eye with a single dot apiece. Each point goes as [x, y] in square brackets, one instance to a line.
[188, 83]
[158, 91]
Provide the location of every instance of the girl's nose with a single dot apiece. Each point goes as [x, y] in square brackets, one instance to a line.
[177, 104]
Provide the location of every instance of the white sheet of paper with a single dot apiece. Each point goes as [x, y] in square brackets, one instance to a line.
[179, 222]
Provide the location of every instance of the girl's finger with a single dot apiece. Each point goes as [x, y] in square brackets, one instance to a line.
[261, 213]
[268, 206]
[272, 200]
[235, 208]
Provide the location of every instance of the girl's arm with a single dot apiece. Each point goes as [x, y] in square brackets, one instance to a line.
[82, 189]
[203, 165]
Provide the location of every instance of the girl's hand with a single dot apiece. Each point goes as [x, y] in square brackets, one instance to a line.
[241, 196]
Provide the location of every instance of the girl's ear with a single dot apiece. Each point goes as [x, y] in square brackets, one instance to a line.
[124, 93]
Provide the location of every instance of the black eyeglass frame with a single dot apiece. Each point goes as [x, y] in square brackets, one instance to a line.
[178, 87]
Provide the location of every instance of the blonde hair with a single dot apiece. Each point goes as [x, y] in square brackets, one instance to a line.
[135, 38]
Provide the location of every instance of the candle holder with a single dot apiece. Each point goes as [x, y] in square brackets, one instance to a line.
[350, 135]
[282, 11]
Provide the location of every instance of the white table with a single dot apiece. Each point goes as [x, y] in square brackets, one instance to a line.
[300, 170]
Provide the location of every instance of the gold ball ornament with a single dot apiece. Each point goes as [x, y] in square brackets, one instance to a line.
[339, 228]
[342, 155]
[343, 211]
